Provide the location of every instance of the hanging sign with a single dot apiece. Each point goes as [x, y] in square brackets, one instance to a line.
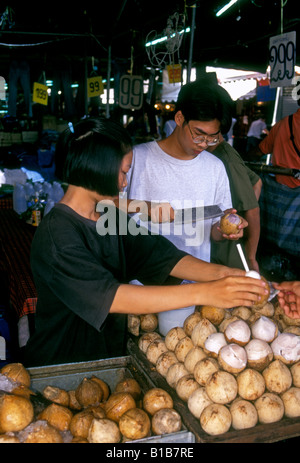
[174, 73]
[131, 92]
[94, 86]
[40, 93]
[282, 57]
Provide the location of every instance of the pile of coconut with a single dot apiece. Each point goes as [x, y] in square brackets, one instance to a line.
[234, 368]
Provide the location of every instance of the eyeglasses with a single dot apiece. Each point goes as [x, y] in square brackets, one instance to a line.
[210, 141]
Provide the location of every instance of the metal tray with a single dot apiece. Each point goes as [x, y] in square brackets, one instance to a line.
[69, 376]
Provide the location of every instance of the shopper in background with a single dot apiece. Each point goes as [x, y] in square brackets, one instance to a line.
[254, 136]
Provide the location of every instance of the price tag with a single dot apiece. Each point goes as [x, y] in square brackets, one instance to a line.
[282, 52]
[94, 86]
[174, 73]
[40, 94]
[131, 92]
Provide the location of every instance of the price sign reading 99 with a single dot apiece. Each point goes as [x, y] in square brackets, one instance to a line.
[94, 86]
[131, 92]
[282, 50]
[40, 94]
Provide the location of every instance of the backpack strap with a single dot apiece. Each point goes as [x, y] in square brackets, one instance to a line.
[292, 135]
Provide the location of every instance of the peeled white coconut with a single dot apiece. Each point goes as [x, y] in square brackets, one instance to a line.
[215, 419]
[221, 387]
[198, 401]
[295, 371]
[173, 336]
[183, 347]
[265, 329]
[278, 377]
[251, 384]
[213, 344]
[222, 327]
[186, 386]
[174, 373]
[238, 332]
[243, 414]
[193, 356]
[270, 408]
[286, 347]
[232, 358]
[259, 354]
[190, 322]
[164, 361]
[204, 369]
[291, 401]
[253, 274]
[201, 332]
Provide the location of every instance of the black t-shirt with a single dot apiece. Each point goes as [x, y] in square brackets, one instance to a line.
[77, 272]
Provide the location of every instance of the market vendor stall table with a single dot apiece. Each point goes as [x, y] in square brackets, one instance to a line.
[15, 243]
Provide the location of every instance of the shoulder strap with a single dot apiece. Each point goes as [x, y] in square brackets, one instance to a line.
[292, 134]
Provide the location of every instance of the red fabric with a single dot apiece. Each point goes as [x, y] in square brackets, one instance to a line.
[15, 243]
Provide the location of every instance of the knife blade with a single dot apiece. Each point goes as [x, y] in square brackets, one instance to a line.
[195, 214]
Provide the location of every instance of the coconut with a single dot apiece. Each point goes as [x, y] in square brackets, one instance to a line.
[213, 344]
[291, 402]
[186, 386]
[238, 332]
[133, 324]
[164, 362]
[103, 385]
[221, 387]
[251, 384]
[286, 347]
[80, 423]
[263, 298]
[175, 372]
[88, 392]
[9, 438]
[214, 314]
[243, 414]
[166, 421]
[194, 355]
[117, 404]
[104, 431]
[183, 347]
[215, 419]
[197, 401]
[290, 321]
[40, 432]
[16, 413]
[173, 336]
[149, 322]
[131, 386]
[232, 358]
[155, 399]
[58, 416]
[232, 318]
[204, 369]
[146, 339]
[267, 309]
[73, 402]
[229, 223]
[201, 332]
[17, 372]
[270, 408]
[293, 330]
[190, 322]
[57, 395]
[278, 377]
[259, 354]
[155, 349]
[135, 424]
[265, 329]
[295, 371]
[242, 312]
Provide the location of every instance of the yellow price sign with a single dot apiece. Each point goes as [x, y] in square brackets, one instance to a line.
[94, 86]
[174, 72]
[40, 93]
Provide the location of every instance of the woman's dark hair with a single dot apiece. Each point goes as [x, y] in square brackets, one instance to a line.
[205, 100]
[91, 154]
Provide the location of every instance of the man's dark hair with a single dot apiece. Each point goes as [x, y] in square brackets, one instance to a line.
[92, 153]
[205, 100]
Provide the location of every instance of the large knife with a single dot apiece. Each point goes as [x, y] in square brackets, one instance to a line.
[181, 216]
